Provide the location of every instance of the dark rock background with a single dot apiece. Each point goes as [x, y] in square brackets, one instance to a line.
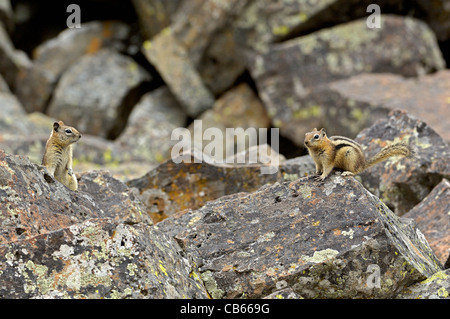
[143, 226]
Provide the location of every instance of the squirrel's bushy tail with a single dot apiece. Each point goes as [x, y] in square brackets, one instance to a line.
[398, 149]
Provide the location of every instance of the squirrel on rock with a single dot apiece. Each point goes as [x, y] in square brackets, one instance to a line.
[343, 153]
[58, 154]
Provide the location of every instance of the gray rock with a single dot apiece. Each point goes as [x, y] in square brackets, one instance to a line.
[197, 179]
[171, 59]
[401, 183]
[433, 219]
[53, 57]
[155, 15]
[287, 73]
[237, 108]
[435, 287]
[147, 136]
[12, 123]
[13, 62]
[349, 105]
[7, 14]
[331, 240]
[94, 243]
[437, 16]
[198, 22]
[97, 259]
[98, 92]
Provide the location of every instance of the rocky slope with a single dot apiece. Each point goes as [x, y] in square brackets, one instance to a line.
[280, 236]
[145, 225]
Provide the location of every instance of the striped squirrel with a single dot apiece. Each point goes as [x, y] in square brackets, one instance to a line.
[346, 154]
[58, 154]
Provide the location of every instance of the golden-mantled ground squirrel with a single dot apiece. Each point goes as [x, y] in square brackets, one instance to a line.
[58, 154]
[344, 153]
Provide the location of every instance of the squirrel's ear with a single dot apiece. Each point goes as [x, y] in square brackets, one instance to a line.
[56, 126]
[323, 131]
[315, 129]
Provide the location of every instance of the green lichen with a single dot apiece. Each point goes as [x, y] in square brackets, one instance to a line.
[132, 269]
[211, 285]
[120, 295]
[442, 292]
[305, 191]
[290, 177]
[280, 30]
[438, 276]
[163, 269]
[307, 112]
[321, 256]
[43, 282]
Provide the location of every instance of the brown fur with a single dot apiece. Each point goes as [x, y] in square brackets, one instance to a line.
[346, 154]
[58, 154]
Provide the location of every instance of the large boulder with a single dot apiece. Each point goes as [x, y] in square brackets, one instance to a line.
[237, 108]
[437, 15]
[12, 61]
[403, 182]
[94, 243]
[149, 127]
[97, 258]
[52, 58]
[331, 240]
[349, 105]
[190, 180]
[98, 93]
[288, 72]
[435, 287]
[168, 55]
[433, 219]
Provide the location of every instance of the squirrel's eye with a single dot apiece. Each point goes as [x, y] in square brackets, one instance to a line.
[316, 137]
[68, 131]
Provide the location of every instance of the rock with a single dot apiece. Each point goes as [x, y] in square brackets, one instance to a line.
[97, 259]
[437, 16]
[331, 240]
[154, 16]
[287, 73]
[355, 103]
[21, 133]
[98, 93]
[12, 112]
[197, 22]
[264, 22]
[435, 287]
[147, 136]
[26, 135]
[230, 66]
[287, 293]
[6, 14]
[433, 219]
[401, 183]
[52, 58]
[171, 60]
[12, 61]
[94, 243]
[34, 203]
[4, 88]
[112, 196]
[237, 108]
[172, 187]
[205, 29]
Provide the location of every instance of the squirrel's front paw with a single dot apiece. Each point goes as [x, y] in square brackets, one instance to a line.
[347, 173]
[70, 171]
[320, 178]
